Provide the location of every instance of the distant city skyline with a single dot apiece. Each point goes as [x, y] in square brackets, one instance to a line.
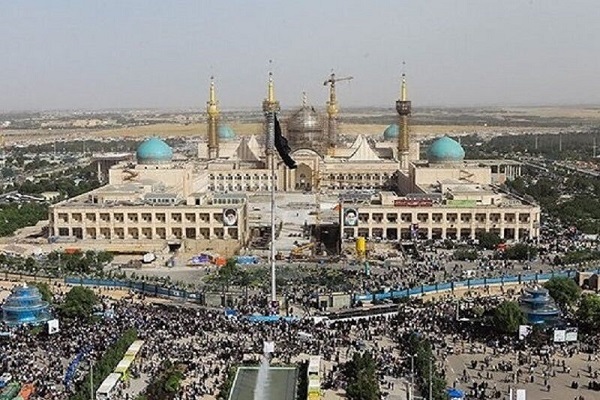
[151, 54]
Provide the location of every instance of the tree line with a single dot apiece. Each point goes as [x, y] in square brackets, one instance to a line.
[361, 374]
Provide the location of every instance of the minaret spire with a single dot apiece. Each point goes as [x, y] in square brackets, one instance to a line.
[332, 112]
[271, 89]
[270, 106]
[404, 109]
[212, 112]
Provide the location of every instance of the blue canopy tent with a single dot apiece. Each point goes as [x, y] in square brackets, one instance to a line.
[455, 394]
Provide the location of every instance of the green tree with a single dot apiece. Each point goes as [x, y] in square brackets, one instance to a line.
[17, 216]
[44, 291]
[228, 272]
[507, 317]
[489, 240]
[361, 373]
[464, 253]
[588, 313]
[564, 291]
[105, 365]
[425, 368]
[520, 251]
[167, 383]
[244, 280]
[79, 303]
[517, 185]
[104, 257]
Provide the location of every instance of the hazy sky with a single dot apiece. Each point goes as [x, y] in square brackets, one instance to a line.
[148, 53]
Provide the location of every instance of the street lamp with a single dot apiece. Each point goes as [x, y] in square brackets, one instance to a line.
[412, 375]
[431, 378]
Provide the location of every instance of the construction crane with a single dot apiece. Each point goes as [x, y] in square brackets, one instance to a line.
[332, 80]
[332, 111]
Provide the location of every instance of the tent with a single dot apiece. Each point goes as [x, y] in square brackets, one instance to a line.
[455, 394]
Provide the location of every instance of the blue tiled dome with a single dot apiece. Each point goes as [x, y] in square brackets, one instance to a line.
[225, 132]
[391, 132]
[445, 150]
[154, 151]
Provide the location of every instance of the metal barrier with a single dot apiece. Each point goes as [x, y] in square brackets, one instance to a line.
[469, 284]
[182, 294]
[149, 289]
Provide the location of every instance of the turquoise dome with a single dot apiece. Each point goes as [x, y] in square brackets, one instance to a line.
[391, 132]
[445, 150]
[154, 151]
[225, 132]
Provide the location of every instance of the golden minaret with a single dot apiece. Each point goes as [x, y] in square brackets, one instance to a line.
[403, 108]
[212, 112]
[270, 106]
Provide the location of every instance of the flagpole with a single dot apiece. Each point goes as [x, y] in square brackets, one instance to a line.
[272, 166]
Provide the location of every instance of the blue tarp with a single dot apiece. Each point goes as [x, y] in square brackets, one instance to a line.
[229, 312]
[270, 318]
[454, 393]
[246, 260]
[200, 259]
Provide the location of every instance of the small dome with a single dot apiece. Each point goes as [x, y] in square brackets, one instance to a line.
[225, 132]
[391, 132]
[154, 151]
[304, 120]
[445, 150]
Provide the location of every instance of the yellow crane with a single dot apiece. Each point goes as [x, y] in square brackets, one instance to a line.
[332, 112]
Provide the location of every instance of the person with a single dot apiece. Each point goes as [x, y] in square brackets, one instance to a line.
[350, 218]
[230, 217]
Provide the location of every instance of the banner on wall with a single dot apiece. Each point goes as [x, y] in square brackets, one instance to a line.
[350, 217]
[230, 217]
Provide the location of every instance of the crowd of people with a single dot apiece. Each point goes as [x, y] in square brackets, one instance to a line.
[207, 343]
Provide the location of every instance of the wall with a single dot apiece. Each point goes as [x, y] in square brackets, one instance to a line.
[426, 176]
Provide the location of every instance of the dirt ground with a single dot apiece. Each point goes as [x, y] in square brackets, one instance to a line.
[29, 137]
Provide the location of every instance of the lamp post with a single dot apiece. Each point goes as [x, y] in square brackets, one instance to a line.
[412, 369]
[412, 375]
[431, 378]
[91, 379]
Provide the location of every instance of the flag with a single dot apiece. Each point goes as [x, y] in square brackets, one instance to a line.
[281, 144]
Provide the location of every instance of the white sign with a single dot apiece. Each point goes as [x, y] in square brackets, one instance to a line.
[560, 336]
[571, 335]
[53, 327]
[524, 331]
[268, 347]
[521, 394]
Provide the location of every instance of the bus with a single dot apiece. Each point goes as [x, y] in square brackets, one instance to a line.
[107, 389]
[364, 312]
[314, 378]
